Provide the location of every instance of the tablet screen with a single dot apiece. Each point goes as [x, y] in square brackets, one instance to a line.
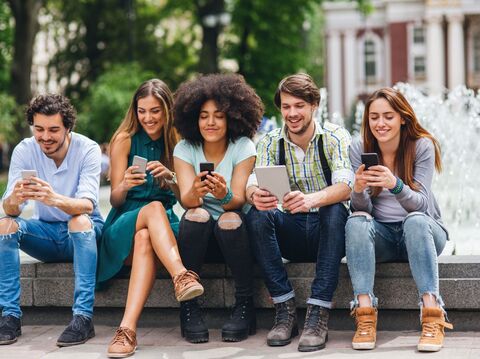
[274, 179]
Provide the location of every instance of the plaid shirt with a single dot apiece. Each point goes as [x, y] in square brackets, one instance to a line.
[304, 168]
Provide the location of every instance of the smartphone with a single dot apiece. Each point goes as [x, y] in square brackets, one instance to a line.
[141, 162]
[206, 166]
[369, 159]
[27, 174]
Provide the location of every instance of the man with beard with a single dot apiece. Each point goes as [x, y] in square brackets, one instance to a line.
[66, 221]
[310, 227]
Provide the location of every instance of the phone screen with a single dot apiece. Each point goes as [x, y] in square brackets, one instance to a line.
[141, 162]
[206, 166]
[369, 160]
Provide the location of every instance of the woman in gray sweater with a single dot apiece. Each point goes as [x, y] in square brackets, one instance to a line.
[396, 216]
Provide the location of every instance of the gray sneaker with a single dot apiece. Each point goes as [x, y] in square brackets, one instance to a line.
[285, 326]
[315, 330]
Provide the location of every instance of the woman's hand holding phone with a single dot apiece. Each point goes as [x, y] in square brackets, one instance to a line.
[217, 185]
[380, 176]
[133, 178]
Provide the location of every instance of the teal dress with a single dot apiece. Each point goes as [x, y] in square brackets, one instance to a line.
[119, 229]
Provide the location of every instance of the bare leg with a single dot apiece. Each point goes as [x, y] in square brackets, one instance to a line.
[364, 300]
[154, 218]
[141, 281]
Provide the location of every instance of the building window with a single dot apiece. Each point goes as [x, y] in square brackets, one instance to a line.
[418, 35]
[476, 52]
[370, 61]
[419, 66]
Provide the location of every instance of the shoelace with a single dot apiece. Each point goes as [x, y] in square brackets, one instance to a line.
[185, 278]
[77, 323]
[430, 329]
[313, 321]
[282, 317]
[365, 327]
[122, 336]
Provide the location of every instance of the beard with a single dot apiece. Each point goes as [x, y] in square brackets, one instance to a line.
[304, 128]
[54, 148]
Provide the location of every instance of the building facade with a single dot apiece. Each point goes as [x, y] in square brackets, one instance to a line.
[433, 44]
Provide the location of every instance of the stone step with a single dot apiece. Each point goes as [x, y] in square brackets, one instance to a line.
[51, 285]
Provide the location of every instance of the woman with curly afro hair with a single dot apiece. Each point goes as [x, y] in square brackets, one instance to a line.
[217, 115]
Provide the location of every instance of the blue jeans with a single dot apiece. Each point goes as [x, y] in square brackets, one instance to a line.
[417, 240]
[49, 242]
[317, 237]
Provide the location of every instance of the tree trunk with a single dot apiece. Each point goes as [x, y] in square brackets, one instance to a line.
[25, 13]
[209, 53]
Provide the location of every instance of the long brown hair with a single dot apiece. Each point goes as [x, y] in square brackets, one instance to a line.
[130, 124]
[410, 132]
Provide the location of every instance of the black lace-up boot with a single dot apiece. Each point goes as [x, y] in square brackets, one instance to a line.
[193, 328]
[242, 322]
[77, 332]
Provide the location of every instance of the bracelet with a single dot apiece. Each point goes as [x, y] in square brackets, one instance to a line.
[398, 187]
[228, 197]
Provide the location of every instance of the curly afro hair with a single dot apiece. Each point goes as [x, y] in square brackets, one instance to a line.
[233, 96]
[51, 104]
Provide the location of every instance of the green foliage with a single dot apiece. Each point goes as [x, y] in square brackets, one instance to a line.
[113, 32]
[270, 44]
[10, 113]
[6, 45]
[108, 100]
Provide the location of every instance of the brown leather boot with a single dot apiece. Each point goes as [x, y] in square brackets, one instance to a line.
[315, 330]
[366, 333]
[285, 326]
[187, 286]
[433, 329]
[123, 343]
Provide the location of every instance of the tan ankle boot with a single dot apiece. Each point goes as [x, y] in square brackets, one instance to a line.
[433, 329]
[187, 286]
[123, 343]
[366, 333]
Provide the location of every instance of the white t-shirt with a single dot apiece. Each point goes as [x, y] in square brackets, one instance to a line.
[237, 151]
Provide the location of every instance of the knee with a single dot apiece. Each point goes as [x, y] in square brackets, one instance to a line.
[357, 224]
[142, 243]
[415, 222]
[199, 215]
[229, 221]
[79, 223]
[154, 209]
[8, 226]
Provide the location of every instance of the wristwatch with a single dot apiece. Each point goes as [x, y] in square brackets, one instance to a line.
[173, 180]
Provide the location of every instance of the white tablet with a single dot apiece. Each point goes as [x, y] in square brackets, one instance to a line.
[274, 179]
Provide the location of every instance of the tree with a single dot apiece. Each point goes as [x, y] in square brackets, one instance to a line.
[6, 43]
[25, 13]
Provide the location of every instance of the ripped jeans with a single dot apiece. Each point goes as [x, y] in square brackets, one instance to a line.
[49, 242]
[417, 240]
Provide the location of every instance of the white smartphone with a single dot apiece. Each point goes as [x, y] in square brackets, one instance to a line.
[141, 162]
[274, 179]
[27, 174]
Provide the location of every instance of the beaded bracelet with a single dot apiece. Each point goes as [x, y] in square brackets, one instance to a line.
[398, 187]
[228, 197]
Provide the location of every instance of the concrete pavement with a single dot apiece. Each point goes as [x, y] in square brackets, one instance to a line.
[166, 343]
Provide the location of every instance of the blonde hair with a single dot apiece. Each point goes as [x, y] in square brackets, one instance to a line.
[130, 124]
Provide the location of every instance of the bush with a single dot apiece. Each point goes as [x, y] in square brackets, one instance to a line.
[10, 112]
[108, 100]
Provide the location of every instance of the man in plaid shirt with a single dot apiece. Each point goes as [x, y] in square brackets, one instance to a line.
[311, 226]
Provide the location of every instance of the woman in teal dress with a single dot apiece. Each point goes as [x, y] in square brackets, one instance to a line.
[138, 230]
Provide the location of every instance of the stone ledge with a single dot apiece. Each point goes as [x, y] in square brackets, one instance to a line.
[51, 285]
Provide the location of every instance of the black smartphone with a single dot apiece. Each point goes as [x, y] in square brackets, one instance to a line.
[369, 159]
[206, 166]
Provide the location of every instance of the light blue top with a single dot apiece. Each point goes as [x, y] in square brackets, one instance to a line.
[237, 151]
[77, 177]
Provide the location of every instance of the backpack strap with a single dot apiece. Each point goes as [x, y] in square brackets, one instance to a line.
[323, 159]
